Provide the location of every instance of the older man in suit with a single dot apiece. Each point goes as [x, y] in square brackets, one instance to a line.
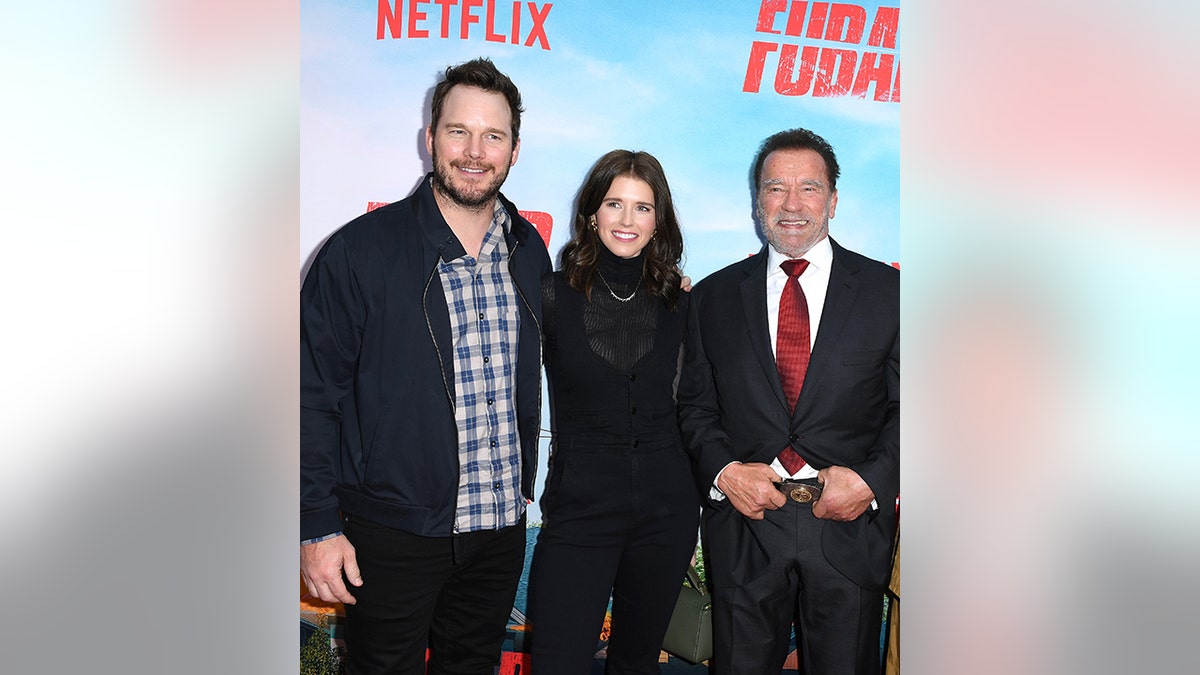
[789, 403]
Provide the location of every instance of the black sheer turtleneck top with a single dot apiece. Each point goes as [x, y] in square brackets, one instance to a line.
[612, 362]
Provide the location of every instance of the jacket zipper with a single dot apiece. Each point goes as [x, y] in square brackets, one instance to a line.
[445, 384]
[541, 364]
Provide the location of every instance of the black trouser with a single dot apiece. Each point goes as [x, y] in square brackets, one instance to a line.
[624, 525]
[839, 622]
[450, 594]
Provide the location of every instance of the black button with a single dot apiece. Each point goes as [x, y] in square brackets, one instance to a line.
[486, 359]
[493, 443]
[793, 438]
[632, 377]
[481, 316]
[635, 443]
[633, 411]
[491, 401]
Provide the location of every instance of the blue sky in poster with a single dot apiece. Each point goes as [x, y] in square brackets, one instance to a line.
[665, 77]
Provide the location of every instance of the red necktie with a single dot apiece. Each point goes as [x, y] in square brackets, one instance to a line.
[792, 348]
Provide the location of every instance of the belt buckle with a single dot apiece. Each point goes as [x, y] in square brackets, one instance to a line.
[804, 492]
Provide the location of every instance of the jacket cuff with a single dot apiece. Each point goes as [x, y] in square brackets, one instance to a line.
[319, 523]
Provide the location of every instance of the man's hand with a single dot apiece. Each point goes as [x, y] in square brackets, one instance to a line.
[750, 488]
[321, 565]
[844, 495]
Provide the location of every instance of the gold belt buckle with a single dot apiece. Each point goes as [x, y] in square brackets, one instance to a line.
[801, 491]
[801, 494]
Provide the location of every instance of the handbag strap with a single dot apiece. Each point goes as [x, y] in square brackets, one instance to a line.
[694, 577]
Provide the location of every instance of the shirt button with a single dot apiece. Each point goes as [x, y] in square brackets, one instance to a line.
[632, 377]
[497, 485]
[635, 442]
[481, 316]
[633, 411]
[491, 401]
[493, 443]
[486, 359]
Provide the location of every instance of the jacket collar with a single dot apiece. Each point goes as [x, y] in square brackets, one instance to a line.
[441, 237]
[843, 288]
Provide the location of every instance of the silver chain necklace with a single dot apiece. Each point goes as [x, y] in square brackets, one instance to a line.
[610, 290]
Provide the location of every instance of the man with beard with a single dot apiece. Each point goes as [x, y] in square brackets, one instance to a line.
[420, 399]
[789, 405]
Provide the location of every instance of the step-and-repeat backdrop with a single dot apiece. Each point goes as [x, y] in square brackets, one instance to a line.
[697, 84]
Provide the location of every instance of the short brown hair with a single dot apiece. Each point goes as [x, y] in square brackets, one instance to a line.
[483, 74]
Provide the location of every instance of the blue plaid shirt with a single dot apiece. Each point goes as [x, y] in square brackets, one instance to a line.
[484, 323]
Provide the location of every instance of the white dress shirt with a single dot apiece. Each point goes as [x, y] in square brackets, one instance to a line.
[814, 282]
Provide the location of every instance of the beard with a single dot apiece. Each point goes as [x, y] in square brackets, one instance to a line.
[794, 243]
[471, 198]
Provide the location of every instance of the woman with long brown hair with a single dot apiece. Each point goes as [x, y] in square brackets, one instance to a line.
[620, 508]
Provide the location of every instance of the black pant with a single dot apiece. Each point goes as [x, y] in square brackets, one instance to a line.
[838, 622]
[450, 594]
[619, 525]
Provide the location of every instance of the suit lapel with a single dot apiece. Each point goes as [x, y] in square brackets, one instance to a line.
[839, 301]
[754, 308]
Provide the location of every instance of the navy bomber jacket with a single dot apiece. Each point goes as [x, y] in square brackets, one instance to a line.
[378, 437]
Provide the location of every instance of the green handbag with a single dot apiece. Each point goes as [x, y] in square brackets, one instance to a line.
[689, 635]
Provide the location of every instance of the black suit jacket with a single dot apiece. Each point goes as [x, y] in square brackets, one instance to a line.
[732, 408]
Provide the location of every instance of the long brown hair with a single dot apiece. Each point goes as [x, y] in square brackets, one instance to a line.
[660, 258]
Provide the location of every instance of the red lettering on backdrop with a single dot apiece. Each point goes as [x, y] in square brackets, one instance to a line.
[796, 19]
[543, 221]
[391, 18]
[446, 5]
[846, 23]
[766, 15]
[467, 17]
[835, 72]
[795, 86]
[883, 30]
[516, 24]
[875, 68]
[758, 60]
[390, 15]
[490, 33]
[539, 25]
[826, 71]
[515, 663]
[415, 15]
[816, 20]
